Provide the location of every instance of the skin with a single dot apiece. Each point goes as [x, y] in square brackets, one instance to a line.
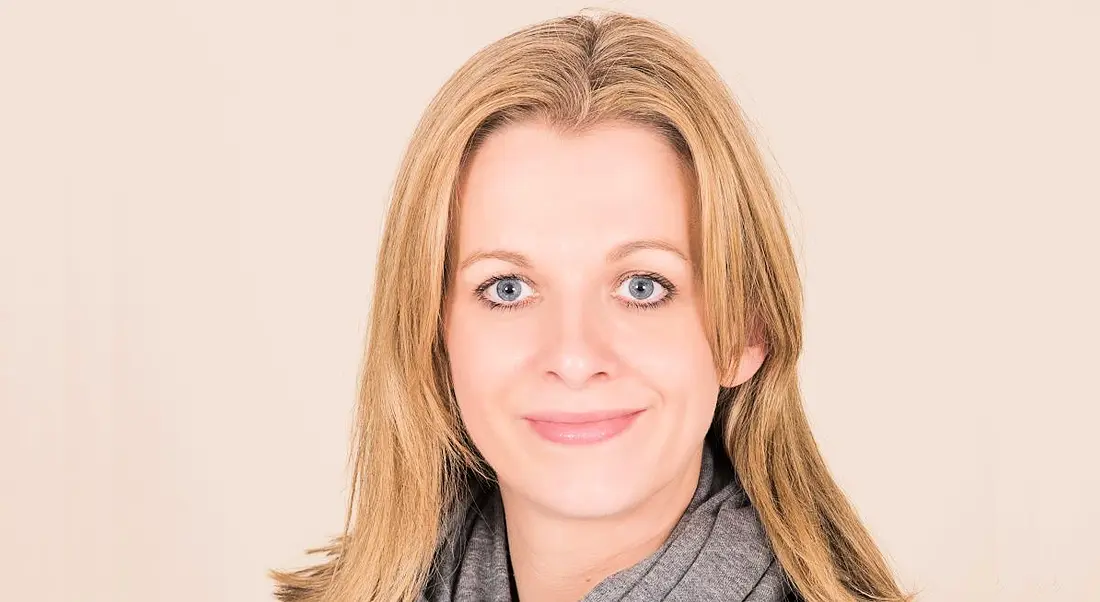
[570, 341]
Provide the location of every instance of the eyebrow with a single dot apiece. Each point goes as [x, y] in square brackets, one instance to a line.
[617, 254]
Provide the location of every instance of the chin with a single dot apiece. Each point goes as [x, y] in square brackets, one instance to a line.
[596, 494]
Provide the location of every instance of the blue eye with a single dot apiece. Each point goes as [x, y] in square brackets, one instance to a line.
[508, 289]
[641, 288]
[644, 291]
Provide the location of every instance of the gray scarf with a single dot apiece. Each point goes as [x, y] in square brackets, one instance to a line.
[717, 551]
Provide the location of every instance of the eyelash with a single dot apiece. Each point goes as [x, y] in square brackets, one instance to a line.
[670, 291]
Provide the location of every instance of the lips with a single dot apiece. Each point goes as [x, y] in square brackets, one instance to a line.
[574, 428]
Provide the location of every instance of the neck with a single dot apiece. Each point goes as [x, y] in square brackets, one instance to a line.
[563, 558]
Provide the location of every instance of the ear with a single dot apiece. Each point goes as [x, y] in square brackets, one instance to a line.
[752, 357]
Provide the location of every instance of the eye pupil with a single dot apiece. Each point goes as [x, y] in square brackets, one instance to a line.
[643, 286]
[508, 289]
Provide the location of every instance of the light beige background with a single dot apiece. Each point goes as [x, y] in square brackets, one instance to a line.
[190, 203]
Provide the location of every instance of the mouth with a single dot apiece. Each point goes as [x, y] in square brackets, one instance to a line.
[571, 428]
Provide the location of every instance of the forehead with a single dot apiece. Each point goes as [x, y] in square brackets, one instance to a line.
[531, 185]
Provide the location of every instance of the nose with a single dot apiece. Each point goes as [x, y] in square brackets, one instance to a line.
[577, 348]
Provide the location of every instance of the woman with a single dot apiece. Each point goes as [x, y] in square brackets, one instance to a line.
[580, 378]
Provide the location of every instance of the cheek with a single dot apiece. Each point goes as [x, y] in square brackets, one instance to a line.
[486, 354]
[671, 353]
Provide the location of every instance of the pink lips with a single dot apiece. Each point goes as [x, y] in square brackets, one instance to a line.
[581, 428]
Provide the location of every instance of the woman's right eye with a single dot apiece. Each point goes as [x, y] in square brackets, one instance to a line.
[504, 292]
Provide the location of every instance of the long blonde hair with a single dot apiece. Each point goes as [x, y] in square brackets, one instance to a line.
[411, 453]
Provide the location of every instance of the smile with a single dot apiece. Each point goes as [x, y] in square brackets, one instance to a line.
[582, 429]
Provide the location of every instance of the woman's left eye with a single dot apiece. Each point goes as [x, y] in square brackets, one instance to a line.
[646, 290]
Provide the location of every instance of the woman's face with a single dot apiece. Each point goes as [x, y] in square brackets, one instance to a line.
[573, 294]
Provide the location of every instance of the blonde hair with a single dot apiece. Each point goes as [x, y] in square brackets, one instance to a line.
[411, 453]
